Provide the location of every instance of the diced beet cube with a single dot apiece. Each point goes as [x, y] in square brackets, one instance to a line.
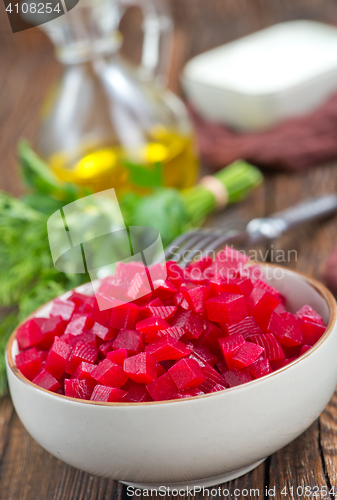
[174, 331]
[200, 264]
[196, 296]
[139, 287]
[254, 273]
[83, 303]
[271, 346]
[227, 308]
[98, 316]
[109, 373]
[218, 387]
[190, 322]
[164, 312]
[239, 286]
[81, 352]
[186, 373]
[105, 348]
[43, 355]
[212, 378]
[77, 324]
[280, 363]
[107, 394]
[153, 324]
[137, 393]
[162, 389]
[45, 380]
[87, 337]
[79, 389]
[141, 368]
[260, 305]
[246, 355]
[264, 286]
[163, 289]
[304, 349]
[63, 308]
[234, 377]
[222, 366]
[167, 348]
[230, 255]
[246, 327]
[202, 356]
[188, 393]
[260, 368]
[145, 311]
[160, 370]
[131, 340]
[50, 328]
[29, 363]
[103, 332]
[84, 370]
[280, 309]
[307, 313]
[180, 301]
[118, 356]
[291, 332]
[209, 337]
[29, 334]
[124, 315]
[312, 332]
[229, 346]
[175, 274]
[57, 358]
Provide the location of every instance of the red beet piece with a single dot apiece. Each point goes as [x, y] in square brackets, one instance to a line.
[307, 313]
[98, 316]
[174, 331]
[124, 315]
[280, 363]
[77, 324]
[252, 272]
[131, 340]
[88, 337]
[81, 352]
[246, 355]
[162, 389]
[196, 295]
[264, 286]
[83, 303]
[145, 311]
[222, 366]
[226, 308]
[218, 387]
[239, 286]
[163, 289]
[79, 389]
[63, 308]
[175, 274]
[84, 370]
[230, 255]
[209, 337]
[164, 312]
[246, 327]
[105, 348]
[271, 346]
[29, 363]
[106, 394]
[50, 328]
[189, 393]
[109, 373]
[203, 357]
[190, 322]
[304, 349]
[186, 373]
[201, 264]
[167, 348]
[312, 332]
[153, 324]
[180, 301]
[260, 368]
[139, 287]
[57, 358]
[29, 334]
[260, 305]
[229, 346]
[137, 393]
[45, 380]
[234, 378]
[280, 309]
[212, 378]
[103, 332]
[118, 356]
[288, 329]
[141, 368]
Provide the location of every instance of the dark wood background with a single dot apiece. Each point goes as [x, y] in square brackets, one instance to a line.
[27, 69]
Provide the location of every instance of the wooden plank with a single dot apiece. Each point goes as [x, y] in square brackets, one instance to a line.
[328, 442]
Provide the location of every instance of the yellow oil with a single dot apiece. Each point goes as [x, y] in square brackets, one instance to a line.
[168, 159]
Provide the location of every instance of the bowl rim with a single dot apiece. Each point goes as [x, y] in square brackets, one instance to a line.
[319, 287]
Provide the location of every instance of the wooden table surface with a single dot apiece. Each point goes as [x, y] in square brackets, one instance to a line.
[27, 69]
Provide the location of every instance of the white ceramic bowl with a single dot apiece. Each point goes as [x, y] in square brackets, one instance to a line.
[198, 441]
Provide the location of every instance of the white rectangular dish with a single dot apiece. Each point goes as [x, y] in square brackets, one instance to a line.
[257, 81]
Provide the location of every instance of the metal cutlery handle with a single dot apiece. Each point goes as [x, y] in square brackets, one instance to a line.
[276, 224]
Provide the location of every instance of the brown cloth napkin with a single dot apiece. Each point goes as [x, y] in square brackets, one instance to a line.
[293, 145]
